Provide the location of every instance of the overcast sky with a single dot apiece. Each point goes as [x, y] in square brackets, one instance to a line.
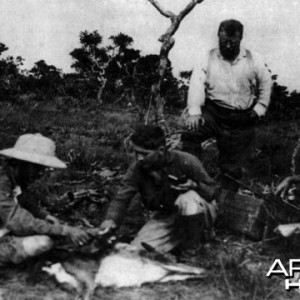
[49, 29]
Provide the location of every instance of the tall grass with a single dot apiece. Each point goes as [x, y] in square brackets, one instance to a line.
[91, 138]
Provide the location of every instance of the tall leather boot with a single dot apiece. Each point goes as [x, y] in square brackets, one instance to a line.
[194, 226]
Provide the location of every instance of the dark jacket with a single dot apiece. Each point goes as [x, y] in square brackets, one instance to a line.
[16, 219]
[160, 196]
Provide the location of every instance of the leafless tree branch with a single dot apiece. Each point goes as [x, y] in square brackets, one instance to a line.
[167, 41]
[176, 20]
[167, 14]
[189, 8]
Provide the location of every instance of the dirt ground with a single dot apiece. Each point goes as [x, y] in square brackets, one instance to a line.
[91, 141]
[236, 269]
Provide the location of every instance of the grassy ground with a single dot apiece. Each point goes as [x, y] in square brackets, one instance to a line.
[90, 140]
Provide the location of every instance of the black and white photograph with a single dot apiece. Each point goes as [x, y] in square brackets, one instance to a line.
[149, 149]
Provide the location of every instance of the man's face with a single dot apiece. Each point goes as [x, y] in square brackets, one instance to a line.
[141, 153]
[29, 172]
[229, 45]
[150, 160]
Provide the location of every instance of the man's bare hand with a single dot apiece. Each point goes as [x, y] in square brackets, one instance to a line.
[78, 236]
[284, 186]
[194, 121]
[107, 226]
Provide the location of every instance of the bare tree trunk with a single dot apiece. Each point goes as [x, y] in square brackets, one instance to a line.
[167, 43]
[100, 72]
[100, 91]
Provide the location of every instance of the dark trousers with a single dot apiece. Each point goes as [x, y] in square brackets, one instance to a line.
[234, 131]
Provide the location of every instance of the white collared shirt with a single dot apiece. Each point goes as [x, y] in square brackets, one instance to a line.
[234, 85]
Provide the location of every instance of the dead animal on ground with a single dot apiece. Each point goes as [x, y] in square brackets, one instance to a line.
[126, 266]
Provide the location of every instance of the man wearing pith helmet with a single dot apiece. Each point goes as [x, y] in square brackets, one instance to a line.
[23, 235]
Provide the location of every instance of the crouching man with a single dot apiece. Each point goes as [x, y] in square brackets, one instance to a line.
[174, 187]
[22, 235]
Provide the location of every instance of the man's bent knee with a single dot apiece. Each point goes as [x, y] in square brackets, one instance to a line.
[190, 203]
[36, 245]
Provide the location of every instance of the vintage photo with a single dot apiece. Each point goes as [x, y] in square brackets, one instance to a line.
[149, 149]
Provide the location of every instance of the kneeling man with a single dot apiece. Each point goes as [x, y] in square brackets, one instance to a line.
[174, 187]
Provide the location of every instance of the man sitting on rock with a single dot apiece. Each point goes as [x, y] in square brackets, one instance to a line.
[175, 189]
[23, 235]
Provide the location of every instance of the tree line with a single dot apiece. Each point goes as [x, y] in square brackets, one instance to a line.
[113, 73]
[116, 73]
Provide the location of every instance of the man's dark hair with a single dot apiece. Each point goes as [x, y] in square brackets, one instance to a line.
[149, 137]
[231, 27]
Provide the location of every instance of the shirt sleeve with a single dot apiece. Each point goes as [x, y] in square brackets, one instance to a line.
[196, 93]
[22, 223]
[206, 186]
[127, 190]
[32, 202]
[18, 220]
[264, 85]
